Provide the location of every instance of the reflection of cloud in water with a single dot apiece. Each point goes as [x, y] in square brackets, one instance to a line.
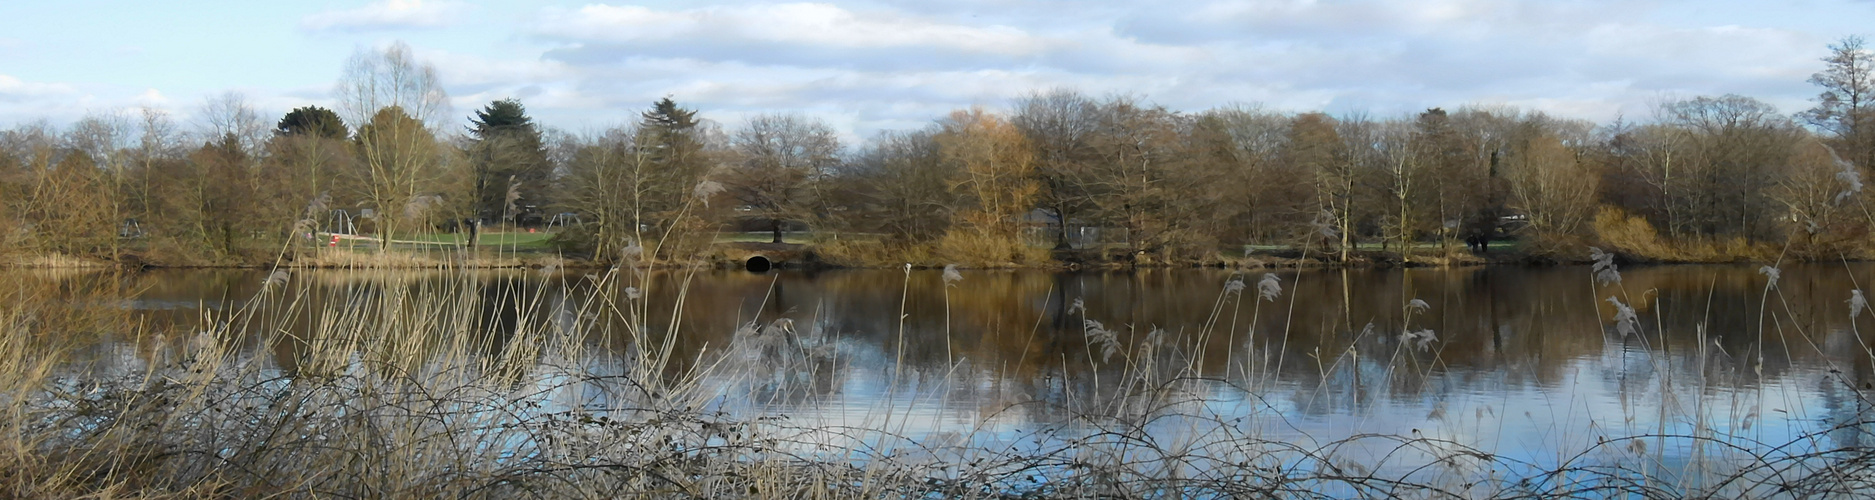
[1524, 363]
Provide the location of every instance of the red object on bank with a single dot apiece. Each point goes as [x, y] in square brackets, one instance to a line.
[335, 240]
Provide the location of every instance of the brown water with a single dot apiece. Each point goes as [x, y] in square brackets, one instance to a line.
[1523, 362]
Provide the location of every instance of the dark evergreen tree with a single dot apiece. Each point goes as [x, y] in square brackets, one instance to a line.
[510, 163]
[671, 143]
[500, 115]
[669, 134]
[312, 120]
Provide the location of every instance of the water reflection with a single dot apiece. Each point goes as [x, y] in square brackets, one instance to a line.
[1520, 361]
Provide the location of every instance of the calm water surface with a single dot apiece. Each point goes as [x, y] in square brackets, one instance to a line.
[1524, 362]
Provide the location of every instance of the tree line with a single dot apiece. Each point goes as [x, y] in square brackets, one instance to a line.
[1708, 177]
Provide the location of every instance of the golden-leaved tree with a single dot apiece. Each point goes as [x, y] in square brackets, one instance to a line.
[994, 168]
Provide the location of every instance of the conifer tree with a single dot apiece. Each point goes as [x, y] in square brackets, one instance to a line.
[509, 162]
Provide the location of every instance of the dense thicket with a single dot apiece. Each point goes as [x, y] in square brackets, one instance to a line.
[1703, 178]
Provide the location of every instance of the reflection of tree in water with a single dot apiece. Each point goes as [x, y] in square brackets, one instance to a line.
[1847, 412]
[781, 365]
[1016, 342]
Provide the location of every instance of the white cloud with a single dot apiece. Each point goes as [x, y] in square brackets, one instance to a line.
[153, 98]
[887, 64]
[24, 100]
[455, 68]
[13, 89]
[810, 24]
[876, 64]
[386, 14]
[867, 65]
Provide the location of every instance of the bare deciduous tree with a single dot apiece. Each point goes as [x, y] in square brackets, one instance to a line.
[105, 138]
[1846, 108]
[1058, 124]
[393, 101]
[781, 161]
[606, 182]
[303, 163]
[1336, 153]
[1261, 197]
[1400, 178]
[1141, 177]
[1821, 191]
[902, 183]
[1550, 185]
[228, 115]
[634, 185]
[1738, 144]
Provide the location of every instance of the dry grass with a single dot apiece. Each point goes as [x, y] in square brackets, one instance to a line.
[960, 247]
[983, 249]
[872, 252]
[1634, 236]
[57, 261]
[1455, 256]
[399, 388]
[340, 258]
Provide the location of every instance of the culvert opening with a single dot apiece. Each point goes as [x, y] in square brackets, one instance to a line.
[759, 264]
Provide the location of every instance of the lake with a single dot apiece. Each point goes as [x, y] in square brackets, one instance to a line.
[1528, 371]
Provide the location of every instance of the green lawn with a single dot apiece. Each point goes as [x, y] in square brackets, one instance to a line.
[763, 237]
[522, 240]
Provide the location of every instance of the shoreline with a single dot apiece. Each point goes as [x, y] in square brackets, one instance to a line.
[806, 257]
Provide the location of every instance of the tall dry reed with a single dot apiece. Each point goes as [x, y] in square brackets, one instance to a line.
[400, 386]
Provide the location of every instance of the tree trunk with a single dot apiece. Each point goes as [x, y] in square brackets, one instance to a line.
[1406, 248]
[1346, 240]
[1061, 223]
[776, 224]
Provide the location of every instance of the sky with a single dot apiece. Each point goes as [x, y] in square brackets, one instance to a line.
[873, 65]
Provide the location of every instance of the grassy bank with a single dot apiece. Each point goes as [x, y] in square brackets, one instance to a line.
[1630, 237]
